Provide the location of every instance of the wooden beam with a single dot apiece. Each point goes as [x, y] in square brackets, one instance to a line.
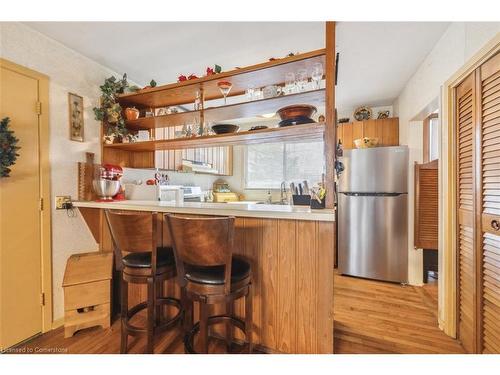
[330, 128]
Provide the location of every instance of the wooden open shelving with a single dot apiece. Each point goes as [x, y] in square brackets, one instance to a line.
[259, 75]
[305, 132]
[232, 111]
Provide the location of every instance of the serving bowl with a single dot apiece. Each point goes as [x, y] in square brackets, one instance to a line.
[106, 189]
[225, 128]
[366, 142]
[295, 121]
[296, 110]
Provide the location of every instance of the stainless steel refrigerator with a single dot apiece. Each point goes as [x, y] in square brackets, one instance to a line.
[373, 214]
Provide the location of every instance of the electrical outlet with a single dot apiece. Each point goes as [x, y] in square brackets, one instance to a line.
[63, 202]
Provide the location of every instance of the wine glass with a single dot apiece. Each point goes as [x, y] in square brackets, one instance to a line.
[317, 74]
[302, 79]
[224, 87]
[289, 82]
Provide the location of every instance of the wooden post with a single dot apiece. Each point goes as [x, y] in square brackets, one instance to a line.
[330, 125]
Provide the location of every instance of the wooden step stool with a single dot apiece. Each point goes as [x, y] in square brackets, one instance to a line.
[87, 291]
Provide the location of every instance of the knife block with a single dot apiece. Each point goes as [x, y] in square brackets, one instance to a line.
[301, 200]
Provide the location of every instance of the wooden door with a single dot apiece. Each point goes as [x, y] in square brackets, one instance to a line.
[465, 117]
[20, 225]
[488, 77]
[426, 206]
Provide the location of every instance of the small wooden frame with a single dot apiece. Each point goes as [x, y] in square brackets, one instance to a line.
[75, 112]
[87, 291]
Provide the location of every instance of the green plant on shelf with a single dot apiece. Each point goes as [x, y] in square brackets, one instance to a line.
[110, 111]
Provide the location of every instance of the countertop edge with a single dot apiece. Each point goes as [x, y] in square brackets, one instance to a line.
[327, 215]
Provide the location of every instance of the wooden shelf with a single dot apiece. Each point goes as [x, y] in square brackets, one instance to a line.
[306, 132]
[260, 75]
[232, 111]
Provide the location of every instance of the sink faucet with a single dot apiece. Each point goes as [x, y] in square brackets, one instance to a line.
[283, 193]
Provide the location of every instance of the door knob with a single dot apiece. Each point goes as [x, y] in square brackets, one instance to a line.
[495, 224]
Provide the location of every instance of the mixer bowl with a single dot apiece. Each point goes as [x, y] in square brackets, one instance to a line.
[106, 189]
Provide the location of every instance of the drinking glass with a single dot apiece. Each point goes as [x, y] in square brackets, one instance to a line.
[302, 79]
[317, 74]
[224, 88]
[289, 82]
[250, 92]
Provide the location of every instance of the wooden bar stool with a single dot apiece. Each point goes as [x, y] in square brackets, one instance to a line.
[209, 274]
[136, 234]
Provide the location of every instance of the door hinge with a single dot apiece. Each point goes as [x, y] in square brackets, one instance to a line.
[40, 203]
[42, 299]
[38, 108]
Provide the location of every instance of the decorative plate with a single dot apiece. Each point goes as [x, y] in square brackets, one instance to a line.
[363, 113]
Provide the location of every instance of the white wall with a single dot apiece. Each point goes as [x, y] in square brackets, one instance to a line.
[68, 71]
[421, 97]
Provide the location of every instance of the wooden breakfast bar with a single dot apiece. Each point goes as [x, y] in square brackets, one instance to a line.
[291, 250]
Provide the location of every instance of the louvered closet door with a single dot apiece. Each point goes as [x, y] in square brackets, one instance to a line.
[490, 218]
[465, 105]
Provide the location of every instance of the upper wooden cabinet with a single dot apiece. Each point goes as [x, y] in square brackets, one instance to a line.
[386, 130]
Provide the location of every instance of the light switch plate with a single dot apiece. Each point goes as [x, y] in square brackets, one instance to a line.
[61, 200]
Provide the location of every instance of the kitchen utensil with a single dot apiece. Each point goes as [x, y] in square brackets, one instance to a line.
[106, 189]
[225, 128]
[292, 188]
[258, 127]
[366, 142]
[224, 87]
[306, 187]
[301, 190]
[296, 110]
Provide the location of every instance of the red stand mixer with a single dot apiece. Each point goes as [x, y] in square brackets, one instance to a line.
[107, 183]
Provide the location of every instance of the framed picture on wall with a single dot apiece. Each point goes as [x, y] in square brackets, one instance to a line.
[76, 127]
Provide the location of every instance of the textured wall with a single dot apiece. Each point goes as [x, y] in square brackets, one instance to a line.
[68, 71]
[421, 96]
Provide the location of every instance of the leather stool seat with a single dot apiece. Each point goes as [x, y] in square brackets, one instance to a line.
[165, 258]
[240, 269]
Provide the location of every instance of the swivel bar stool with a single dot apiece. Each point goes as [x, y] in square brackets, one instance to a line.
[136, 234]
[208, 273]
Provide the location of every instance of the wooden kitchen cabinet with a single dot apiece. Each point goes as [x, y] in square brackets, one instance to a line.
[386, 130]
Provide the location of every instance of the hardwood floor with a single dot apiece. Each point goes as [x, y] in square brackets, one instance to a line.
[379, 317]
[370, 317]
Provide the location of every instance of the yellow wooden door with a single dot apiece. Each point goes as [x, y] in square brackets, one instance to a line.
[20, 226]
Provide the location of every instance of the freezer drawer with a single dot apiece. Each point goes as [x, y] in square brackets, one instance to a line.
[373, 239]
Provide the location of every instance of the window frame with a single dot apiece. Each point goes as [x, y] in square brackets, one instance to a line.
[426, 136]
[245, 166]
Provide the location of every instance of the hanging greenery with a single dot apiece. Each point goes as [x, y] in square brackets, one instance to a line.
[8, 148]
[110, 110]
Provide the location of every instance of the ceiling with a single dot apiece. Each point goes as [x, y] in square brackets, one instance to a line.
[376, 58]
